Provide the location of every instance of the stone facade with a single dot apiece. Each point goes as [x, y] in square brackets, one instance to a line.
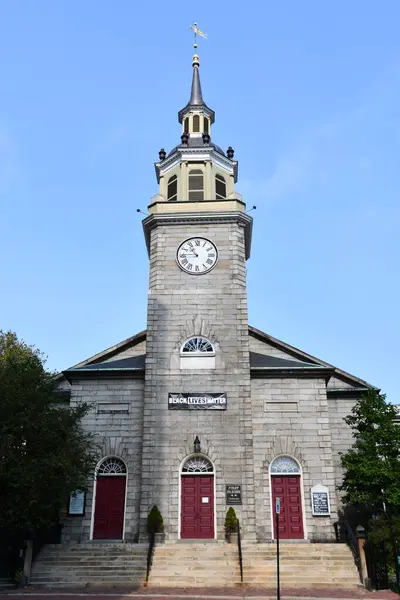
[280, 401]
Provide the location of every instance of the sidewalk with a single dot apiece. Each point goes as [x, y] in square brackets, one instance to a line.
[243, 593]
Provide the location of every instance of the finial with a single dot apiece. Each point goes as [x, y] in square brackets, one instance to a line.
[230, 152]
[162, 154]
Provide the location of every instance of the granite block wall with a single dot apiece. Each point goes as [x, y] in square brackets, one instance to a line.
[180, 305]
[291, 416]
[116, 419]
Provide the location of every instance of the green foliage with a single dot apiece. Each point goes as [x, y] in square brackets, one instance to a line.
[155, 523]
[231, 521]
[372, 465]
[44, 454]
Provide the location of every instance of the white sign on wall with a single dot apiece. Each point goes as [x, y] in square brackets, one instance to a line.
[320, 501]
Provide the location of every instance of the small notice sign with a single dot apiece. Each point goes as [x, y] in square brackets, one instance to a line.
[197, 401]
[320, 501]
[233, 494]
[204, 500]
[278, 506]
[76, 505]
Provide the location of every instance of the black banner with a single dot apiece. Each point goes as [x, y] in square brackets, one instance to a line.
[197, 401]
[233, 494]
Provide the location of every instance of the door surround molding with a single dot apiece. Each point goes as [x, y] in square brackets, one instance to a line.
[303, 506]
[182, 474]
[93, 507]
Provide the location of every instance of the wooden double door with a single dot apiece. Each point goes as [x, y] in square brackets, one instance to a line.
[197, 506]
[288, 489]
[109, 508]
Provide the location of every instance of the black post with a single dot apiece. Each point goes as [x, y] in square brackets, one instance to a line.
[278, 583]
[394, 545]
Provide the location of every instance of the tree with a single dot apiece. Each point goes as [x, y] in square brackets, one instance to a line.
[372, 465]
[44, 453]
[372, 468]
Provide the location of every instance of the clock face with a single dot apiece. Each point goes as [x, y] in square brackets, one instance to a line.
[197, 256]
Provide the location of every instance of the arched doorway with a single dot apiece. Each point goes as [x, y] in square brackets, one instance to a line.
[197, 498]
[286, 485]
[110, 490]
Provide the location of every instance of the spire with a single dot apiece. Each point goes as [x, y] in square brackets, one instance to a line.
[196, 96]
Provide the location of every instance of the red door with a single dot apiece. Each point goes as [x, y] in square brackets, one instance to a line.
[197, 507]
[291, 516]
[109, 511]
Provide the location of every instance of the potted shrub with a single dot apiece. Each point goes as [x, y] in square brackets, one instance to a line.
[231, 523]
[155, 524]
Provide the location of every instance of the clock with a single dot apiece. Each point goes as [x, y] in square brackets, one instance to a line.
[197, 256]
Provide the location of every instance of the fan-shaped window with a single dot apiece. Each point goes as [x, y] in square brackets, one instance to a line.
[198, 464]
[172, 188]
[186, 125]
[284, 465]
[196, 123]
[220, 187]
[197, 353]
[206, 125]
[112, 466]
[196, 185]
[197, 345]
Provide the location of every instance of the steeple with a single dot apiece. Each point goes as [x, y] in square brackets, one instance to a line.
[196, 104]
[196, 170]
[196, 96]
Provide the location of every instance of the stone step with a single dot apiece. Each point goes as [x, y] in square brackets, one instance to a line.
[93, 560]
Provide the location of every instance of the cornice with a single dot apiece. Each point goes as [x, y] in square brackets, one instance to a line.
[171, 219]
[292, 373]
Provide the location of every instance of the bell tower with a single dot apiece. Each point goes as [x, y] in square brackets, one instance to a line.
[197, 400]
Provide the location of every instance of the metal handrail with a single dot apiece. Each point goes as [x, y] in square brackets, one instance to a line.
[239, 541]
[150, 553]
[344, 533]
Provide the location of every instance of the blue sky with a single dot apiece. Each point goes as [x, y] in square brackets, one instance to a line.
[308, 94]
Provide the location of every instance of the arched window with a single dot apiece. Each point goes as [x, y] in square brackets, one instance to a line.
[186, 125]
[172, 188]
[220, 187]
[197, 345]
[198, 464]
[197, 353]
[206, 125]
[284, 465]
[196, 123]
[112, 466]
[196, 185]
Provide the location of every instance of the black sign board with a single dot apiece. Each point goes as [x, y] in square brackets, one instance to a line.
[197, 401]
[233, 494]
[320, 503]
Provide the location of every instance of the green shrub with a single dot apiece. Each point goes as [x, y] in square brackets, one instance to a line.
[155, 523]
[231, 521]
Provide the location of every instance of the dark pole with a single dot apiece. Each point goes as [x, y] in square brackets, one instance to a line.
[278, 583]
[393, 544]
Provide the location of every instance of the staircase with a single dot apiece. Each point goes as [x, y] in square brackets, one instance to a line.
[301, 566]
[90, 564]
[197, 564]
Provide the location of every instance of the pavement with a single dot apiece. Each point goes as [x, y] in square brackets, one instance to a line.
[242, 593]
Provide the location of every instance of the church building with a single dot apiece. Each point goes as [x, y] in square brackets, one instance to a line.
[202, 411]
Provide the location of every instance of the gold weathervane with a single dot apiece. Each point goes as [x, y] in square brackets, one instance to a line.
[196, 32]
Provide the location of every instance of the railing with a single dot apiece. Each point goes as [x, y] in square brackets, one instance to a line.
[345, 534]
[239, 542]
[150, 552]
